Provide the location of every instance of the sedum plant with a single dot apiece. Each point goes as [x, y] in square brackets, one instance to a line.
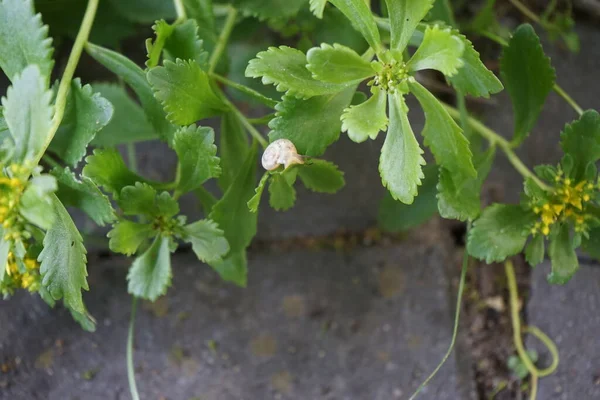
[350, 72]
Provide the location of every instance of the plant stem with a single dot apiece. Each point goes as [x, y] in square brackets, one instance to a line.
[496, 139]
[461, 288]
[65, 82]
[262, 120]
[245, 89]
[561, 92]
[526, 11]
[180, 9]
[517, 339]
[223, 39]
[249, 127]
[131, 157]
[130, 369]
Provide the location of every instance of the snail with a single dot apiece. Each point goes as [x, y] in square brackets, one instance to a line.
[280, 152]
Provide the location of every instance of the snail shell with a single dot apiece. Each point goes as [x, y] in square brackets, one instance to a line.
[280, 152]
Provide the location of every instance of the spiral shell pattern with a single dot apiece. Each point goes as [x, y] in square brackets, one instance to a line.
[280, 152]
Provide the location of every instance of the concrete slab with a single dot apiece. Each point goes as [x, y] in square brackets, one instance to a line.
[569, 315]
[367, 324]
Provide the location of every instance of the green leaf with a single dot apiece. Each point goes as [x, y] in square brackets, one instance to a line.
[313, 124]
[128, 124]
[269, 9]
[28, 113]
[127, 236]
[440, 50]
[367, 119]
[82, 193]
[362, 19]
[460, 196]
[207, 240]
[106, 168]
[562, 256]
[590, 245]
[321, 176]
[442, 11]
[499, 233]
[85, 320]
[405, 15]
[150, 274]
[473, 77]
[581, 140]
[338, 64]
[401, 157]
[231, 213]
[86, 113]
[185, 92]
[254, 202]
[144, 11]
[202, 12]
[282, 193]
[63, 260]
[23, 40]
[36, 204]
[233, 148]
[135, 77]
[5, 246]
[443, 136]
[196, 151]
[178, 41]
[534, 251]
[285, 67]
[394, 216]
[142, 199]
[529, 78]
[233, 268]
[317, 7]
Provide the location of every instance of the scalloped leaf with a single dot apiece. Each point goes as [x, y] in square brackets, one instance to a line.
[282, 195]
[313, 124]
[499, 233]
[338, 64]
[473, 77]
[321, 176]
[28, 113]
[562, 256]
[185, 92]
[529, 78]
[63, 260]
[207, 240]
[285, 67]
[23, 39]
[401, 159]
[86, 113]
[405, 15]
[581, 140]
[270, 9]
[359, 13]
[440, 50]
[367, 119]
[150, 274]
[443, 136]
[317, 7]
[254, 202]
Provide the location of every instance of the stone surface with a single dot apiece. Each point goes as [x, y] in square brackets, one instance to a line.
[365, 324]
[568, 315]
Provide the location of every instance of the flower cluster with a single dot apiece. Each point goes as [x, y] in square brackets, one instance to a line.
[20, 274]
[568, 203]
[389, 75]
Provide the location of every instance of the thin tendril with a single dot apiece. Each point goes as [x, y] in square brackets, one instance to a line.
[130, 370]
[461, 288]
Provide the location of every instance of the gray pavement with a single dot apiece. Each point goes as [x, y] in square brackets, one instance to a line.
[369, 324]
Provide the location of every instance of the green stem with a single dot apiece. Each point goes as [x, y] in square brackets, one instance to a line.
[131, 157]
[526, 11]
[461, 289]
[51, 161]
[223, 39]
[496, 139]
[245, 89]
[561, 92]
[249, 127]
[180, 9]
[65, 82]
[130, 369]
[518, 340]
[262, 120]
